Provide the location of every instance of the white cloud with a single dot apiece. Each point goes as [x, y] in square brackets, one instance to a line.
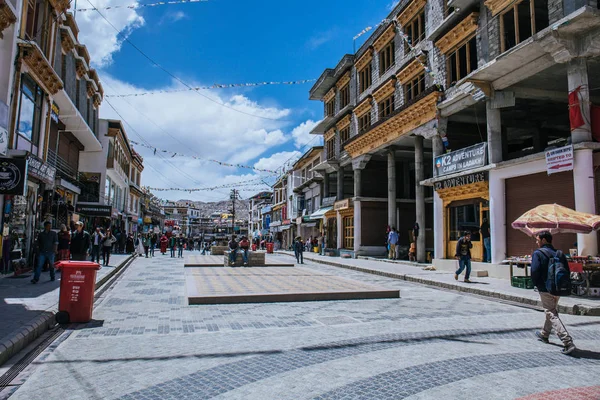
[302, 136]
[320, 38]
[100, 38]
[277, 160]
[173, 17]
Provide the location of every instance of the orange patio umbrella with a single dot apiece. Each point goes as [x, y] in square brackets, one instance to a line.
[556, 219]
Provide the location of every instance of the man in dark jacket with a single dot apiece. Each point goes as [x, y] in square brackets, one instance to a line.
[299, 250]
[540, 260]
[80, 243]
[47, 246]
[463, 255]
[233, 249]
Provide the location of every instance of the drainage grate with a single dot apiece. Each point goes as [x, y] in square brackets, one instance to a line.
[16, 369]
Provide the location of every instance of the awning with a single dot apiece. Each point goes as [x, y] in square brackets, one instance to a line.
[309, 225]
[75, 123]
[320, 213]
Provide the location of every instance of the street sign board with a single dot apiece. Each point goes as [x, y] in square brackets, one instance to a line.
[461, 160]
[559, 160]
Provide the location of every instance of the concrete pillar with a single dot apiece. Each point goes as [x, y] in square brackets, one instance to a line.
[583, 178]
[340, 231]
[357, 182]
[439, 233]
[391, 167]
[497, 218]
[357, 227]
[577, 76]
[438, 146]
[494, 133]
[420, 197]
[340, 183]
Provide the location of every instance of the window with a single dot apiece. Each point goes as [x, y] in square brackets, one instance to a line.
[447, 9]
[107, 193]
[521, 21]
[330, 108]
[386, 58]
[365, 77]
[415, 30]
[462, 61]
[364, 122]
[414, 87]
[345, 96]
[39, 16]
[348, 223]
[330, 145]
[30, 110]
[345, 134]
[386, 107]
[464, 217]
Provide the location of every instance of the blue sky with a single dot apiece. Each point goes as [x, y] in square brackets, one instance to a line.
[220, 41]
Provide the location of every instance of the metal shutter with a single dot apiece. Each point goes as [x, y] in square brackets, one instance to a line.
[526, 192]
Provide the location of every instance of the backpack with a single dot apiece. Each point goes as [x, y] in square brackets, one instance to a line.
[558, 281]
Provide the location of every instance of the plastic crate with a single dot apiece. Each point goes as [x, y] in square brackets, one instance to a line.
[522, 282]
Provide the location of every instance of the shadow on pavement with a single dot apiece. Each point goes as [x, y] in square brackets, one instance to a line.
[587, 354]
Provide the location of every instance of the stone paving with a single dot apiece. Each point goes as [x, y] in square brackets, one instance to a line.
[218, 261]
[147, 343]
[492, 287]
[23, 302]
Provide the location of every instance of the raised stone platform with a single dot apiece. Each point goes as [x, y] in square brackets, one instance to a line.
[254, 259]
[218, 261]
[227, 285]
[218, 250]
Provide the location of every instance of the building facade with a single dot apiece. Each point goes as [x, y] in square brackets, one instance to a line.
[443, 116]
[257, 202]
[49, 102]
[307, 187]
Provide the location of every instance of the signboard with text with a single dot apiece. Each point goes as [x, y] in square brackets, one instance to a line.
[461, 181]
[461, 160]
[94, 210]
[559, 160]
[40, 170]
[13, 175]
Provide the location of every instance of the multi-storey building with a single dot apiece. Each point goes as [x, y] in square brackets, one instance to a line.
[136, 194]
[280, 225]
[306, 193]
[49, 101]
[185, 215]
[107, 176]
[494, 81]
[255, 220]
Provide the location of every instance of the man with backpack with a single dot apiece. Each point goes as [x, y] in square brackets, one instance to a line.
[463, 255]
[552, 278]
[299, 250]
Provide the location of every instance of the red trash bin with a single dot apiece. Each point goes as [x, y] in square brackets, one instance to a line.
[253, 247]
[269, 248]
[77, 286]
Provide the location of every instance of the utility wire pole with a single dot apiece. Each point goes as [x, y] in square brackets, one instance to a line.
[233, 196]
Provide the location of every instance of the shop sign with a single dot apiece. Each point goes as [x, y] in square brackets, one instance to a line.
[341, 205]
[286, 222]
[328, 201]
[55, 111]
[169, 222]
[298, 220]
[140, 221]
[40, 170]
[267, 222]
[306, 218]
[94, 210]
[13, 174]
[3, 128]
[461, 160]
[147, 220]
[559, 160]
[461, 181]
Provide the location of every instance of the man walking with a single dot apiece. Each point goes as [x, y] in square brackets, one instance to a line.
[80, 243]
[48, 246]
[393, 242]
[487, 241]
[540, 261]
[233, 249]
[463, 255]
[97, 239]
[299, 250]
[172, 244]
[180, 245]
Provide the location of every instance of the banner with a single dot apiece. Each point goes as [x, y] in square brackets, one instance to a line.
[559, 160]
[461, 160]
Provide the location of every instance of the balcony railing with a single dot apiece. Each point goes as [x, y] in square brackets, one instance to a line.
[63, 167]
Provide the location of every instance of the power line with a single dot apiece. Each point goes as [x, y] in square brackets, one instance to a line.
[126, 39]
[136, 6]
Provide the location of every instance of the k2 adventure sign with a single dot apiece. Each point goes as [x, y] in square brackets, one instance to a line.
[461, 181]
[559, 160]
[461, 160]
[13, 174]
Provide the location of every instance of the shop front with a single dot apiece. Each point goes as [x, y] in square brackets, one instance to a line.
[65, 196]
[345, 225]
[17, 197]
[465, 205]
[94, 215]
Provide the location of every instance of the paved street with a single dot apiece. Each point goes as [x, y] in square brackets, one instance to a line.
[147, 343]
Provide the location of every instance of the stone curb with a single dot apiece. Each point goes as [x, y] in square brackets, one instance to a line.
[20, 338]
[576, 309]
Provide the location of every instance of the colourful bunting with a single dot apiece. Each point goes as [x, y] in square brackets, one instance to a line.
[215, 86]
[137, 5]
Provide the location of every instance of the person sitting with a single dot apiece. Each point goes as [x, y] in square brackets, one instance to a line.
[233, 249]
[245, 246]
